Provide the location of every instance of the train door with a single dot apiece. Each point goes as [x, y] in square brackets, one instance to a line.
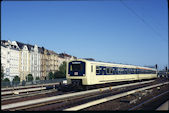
[92, 77]
[137, 74]
[103, 73]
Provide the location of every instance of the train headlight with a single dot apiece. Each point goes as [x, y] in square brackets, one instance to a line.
[64, 81]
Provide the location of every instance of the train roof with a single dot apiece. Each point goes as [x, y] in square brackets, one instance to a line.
[126, 65]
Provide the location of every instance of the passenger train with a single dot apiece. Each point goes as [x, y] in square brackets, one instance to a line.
[81, 72]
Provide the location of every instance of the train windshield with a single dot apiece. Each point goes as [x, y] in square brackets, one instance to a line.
[76, 68]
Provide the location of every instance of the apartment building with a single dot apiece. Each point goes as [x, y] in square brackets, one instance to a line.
[10, 59]
[19, 59]
[35, 61]
[24, 61]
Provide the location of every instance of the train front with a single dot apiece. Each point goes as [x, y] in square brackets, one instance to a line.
[76, 73]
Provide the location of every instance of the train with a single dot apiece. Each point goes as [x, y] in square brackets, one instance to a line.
[86, 73]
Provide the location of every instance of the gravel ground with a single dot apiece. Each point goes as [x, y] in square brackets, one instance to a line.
[31, 97]
[119, 105]
[74, 102]
[114, 105]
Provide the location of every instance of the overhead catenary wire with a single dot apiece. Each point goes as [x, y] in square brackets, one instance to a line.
[142, 19]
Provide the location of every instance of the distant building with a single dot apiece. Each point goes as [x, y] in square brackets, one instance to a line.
[19, 59]
[24, 62]
[10, 59]
[35, 61]
[66, 57]
[53, 62]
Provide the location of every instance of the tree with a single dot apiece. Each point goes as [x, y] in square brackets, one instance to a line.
[6, 82]
[62, 68]
[16, 80]
[29, 78]
[50, 75]
[58, 74]
[37, 78]
[62, 71]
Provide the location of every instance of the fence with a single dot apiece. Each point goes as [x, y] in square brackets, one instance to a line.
[15, 84]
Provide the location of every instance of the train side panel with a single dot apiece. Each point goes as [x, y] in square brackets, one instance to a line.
[91, 78]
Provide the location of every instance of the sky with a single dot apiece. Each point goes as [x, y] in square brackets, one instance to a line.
[122, 31]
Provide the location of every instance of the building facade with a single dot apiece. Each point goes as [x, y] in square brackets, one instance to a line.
[19, 59]
[35, 61]
[24, 61]
[10, 59]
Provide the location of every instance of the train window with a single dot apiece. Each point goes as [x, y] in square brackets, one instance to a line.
[120, 71]
[116, 70]
[132, 71]
[111, 70]
[128, 71]
[135, 71]
[140, 72]
[107, 70]
[91, 68]
[76, 67]
[125, 70]
[97, 70]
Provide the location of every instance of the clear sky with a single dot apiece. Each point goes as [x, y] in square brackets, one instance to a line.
[128, 31]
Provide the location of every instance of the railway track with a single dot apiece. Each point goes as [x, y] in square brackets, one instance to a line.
[115, 102]
[142, 104]
[62, 101]
[29, 97]
[26, 94]
[27, 87]
[27, 90]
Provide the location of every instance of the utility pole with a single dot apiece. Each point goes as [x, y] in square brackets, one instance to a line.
[166, 71]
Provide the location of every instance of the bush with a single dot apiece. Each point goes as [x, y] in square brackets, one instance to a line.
[37, 78]
[58, 74]
[50, 76]
[29, 78]
[6, 82]
[16, 80]
[62, 69]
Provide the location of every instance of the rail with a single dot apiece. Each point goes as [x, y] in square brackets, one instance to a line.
[30, 102]
[14, 88]
[22, 90]
[89, 104]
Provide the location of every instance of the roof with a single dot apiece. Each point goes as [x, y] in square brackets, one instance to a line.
[29, 46]
[116, 64]
[64, 55]
[40, 50]
[20, 44]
